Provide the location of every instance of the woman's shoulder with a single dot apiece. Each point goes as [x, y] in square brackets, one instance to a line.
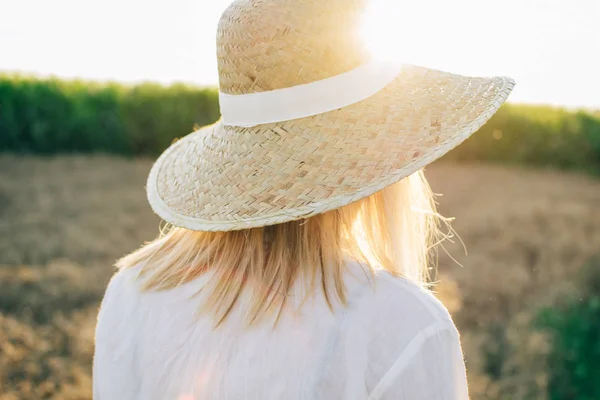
[116, 313]
[393, 302]
[402, 290]
[122, 284]
[122, 299]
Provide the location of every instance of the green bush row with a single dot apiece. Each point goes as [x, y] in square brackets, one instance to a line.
[48, 116]
[574, 330]
[537, 135]
[52, 116]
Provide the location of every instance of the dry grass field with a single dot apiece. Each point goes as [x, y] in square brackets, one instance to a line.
[64, 220]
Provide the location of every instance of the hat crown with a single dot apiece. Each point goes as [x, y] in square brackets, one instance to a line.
[264, 45]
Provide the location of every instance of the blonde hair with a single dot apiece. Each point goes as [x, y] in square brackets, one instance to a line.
[391, 230]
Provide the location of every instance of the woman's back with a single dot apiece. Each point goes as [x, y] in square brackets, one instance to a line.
[392, 340]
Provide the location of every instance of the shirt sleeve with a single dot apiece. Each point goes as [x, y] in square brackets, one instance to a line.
[431, 367]
[113, 367]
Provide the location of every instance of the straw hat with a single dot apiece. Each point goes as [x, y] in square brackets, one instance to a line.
[310, 122]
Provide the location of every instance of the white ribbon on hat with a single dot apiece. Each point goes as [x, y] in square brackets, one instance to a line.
[307, 100]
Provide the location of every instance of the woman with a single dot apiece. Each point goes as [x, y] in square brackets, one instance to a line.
[297, 263]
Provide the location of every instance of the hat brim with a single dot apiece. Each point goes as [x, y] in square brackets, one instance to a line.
[223, 178]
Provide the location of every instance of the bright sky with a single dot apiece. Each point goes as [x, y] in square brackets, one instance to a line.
[551, 47]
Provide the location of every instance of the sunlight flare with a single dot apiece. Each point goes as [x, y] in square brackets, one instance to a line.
[408, 33]
[383, 31]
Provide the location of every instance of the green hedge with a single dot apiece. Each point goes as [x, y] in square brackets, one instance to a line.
[50, 116]
[574, 330]
[537, 135]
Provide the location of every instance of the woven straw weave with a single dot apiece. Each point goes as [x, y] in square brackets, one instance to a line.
[226, 178]
[272, 44]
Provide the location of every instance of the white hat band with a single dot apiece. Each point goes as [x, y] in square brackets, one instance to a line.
[307, 100]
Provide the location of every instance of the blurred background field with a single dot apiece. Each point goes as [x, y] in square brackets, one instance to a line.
[525, 189]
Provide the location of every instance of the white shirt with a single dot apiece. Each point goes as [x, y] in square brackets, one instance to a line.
[393, 341]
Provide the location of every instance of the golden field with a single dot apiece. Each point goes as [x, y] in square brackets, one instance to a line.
[64, 220]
